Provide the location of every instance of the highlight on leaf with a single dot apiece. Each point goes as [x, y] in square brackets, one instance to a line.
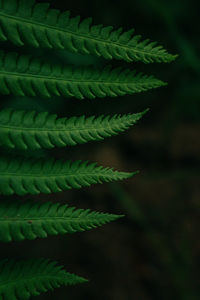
[23, 176]
[24, 75]
[27, 22]
[32, 130]
[21, 279]
[32, 220]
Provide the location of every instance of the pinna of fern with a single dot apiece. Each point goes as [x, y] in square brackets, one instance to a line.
[31, 130]
[21, 279]
[23, 176]
[30, 220]
[27, 22]
[23, 75]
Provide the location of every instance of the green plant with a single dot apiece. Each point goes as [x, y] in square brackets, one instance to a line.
[24, 22]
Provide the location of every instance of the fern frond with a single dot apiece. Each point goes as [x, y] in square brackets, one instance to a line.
[26, 22]
[30, 220]
[32, 130]
[29, 176]
[23, 75]
[23, 279]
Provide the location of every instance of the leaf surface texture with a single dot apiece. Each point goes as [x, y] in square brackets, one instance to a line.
[32, 176]
[31, 220]
[32, 130]
[23, 279]
[27, 22]
[23, 75]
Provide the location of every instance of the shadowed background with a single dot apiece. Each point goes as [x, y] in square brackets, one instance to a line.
[153, 253]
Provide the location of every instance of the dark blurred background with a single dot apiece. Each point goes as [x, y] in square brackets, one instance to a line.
[152, 253]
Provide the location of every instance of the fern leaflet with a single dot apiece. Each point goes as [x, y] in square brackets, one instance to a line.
[29, 176]
[30, 220]
[31, 130]
[26, 22]
[23, 279]
[28, 76]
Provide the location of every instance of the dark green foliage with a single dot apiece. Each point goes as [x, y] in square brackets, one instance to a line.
[28, 176]
[23, 279]
[27, 76]
[26, 22]
[31, 130]
[30, 220]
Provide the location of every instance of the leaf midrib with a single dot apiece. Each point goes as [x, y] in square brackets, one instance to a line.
[78, 174]
[98, 129]
[50, 218]
[146, 80]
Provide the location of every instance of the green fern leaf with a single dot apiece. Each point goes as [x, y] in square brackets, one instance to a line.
[23, 279]
[23, 75]
[31, 130]
[26, 22]
[29, 220]
[28, 176]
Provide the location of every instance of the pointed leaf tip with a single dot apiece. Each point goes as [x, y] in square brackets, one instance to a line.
[135, 173]
[131, 174]
[146, 110]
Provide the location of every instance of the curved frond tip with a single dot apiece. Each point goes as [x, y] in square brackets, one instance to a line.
[29, 176]
[23, 75]
[23, 279]
[32, 220]
[26, 22]
[32, 130]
